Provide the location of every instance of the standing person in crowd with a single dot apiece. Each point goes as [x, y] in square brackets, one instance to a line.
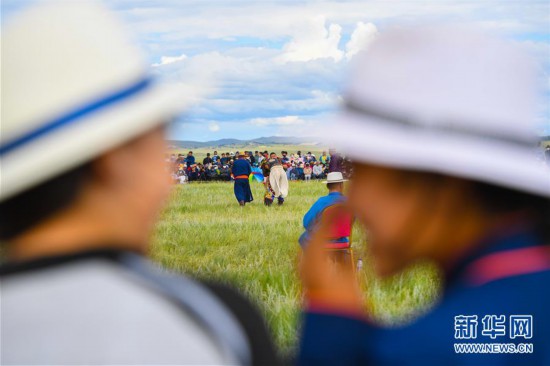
[224, 159]
[336, 163]
[207, 161]
[324, 158]
[241, 171]
[284, 157]
[307, 172]
[215, 157]
[76, 285]
[258, 158]
[312, 219]
[251, 158]
[190, 159]
[482, 216]
[310, 158]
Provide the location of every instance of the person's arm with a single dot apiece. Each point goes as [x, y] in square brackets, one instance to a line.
[332, 339]
[334, 330]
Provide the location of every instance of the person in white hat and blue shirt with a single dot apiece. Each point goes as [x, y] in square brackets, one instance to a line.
[335, 185]
[438, 122]
[78, 109]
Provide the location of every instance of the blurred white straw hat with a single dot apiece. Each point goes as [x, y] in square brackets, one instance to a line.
[335, 177]
[444, 99]
[73, 86]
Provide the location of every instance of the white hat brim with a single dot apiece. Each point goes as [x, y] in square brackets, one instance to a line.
[381, 142]
[334, 181]
[90, 136]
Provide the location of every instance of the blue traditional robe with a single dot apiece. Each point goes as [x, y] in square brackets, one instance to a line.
[241, 171]
[314, 214]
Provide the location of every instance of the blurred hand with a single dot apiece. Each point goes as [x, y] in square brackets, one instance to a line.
[326, 285]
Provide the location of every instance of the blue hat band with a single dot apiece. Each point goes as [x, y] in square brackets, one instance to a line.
[76, 115]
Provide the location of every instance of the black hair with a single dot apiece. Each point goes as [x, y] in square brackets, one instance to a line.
[27, 209]
[331, 186]
[500, 200]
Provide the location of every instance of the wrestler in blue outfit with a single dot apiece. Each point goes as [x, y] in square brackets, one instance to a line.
[241, 171]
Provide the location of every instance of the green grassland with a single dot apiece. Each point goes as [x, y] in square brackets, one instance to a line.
[200, 153]
[204, 233]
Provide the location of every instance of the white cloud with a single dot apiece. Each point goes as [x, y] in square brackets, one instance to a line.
[262, 59]
[213, 127]
[361, 38]
[314, 41]
[165, 60]
[279, 121]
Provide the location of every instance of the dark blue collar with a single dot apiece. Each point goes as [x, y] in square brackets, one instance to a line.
[505, 240]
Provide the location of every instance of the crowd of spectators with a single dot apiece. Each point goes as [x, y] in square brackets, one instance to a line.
[217, 167]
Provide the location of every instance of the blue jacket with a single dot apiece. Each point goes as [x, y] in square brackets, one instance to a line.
[312, 216]
[509, 276]
[241, 167]
[190, 160]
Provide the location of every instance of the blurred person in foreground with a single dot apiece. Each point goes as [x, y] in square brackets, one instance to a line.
[438, 124]
[79, 108]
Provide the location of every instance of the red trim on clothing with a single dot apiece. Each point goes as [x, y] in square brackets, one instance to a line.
[508, 264]
[241, 177]
[338, 245]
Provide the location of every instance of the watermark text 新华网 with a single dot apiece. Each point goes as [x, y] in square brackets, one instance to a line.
[496, 328]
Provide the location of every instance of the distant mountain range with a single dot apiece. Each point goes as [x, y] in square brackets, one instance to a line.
[261, 141]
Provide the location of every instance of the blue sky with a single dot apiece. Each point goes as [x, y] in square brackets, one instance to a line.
[276, 67]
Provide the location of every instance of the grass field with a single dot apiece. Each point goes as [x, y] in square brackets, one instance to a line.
[203, 232]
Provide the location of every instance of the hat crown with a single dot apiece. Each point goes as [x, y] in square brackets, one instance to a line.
[426, 76]
[334, 177]
[74, 86]
[48, 71]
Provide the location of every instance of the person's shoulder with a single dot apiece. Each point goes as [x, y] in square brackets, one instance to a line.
[250, 318]
[514, 295]
[113, 298]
